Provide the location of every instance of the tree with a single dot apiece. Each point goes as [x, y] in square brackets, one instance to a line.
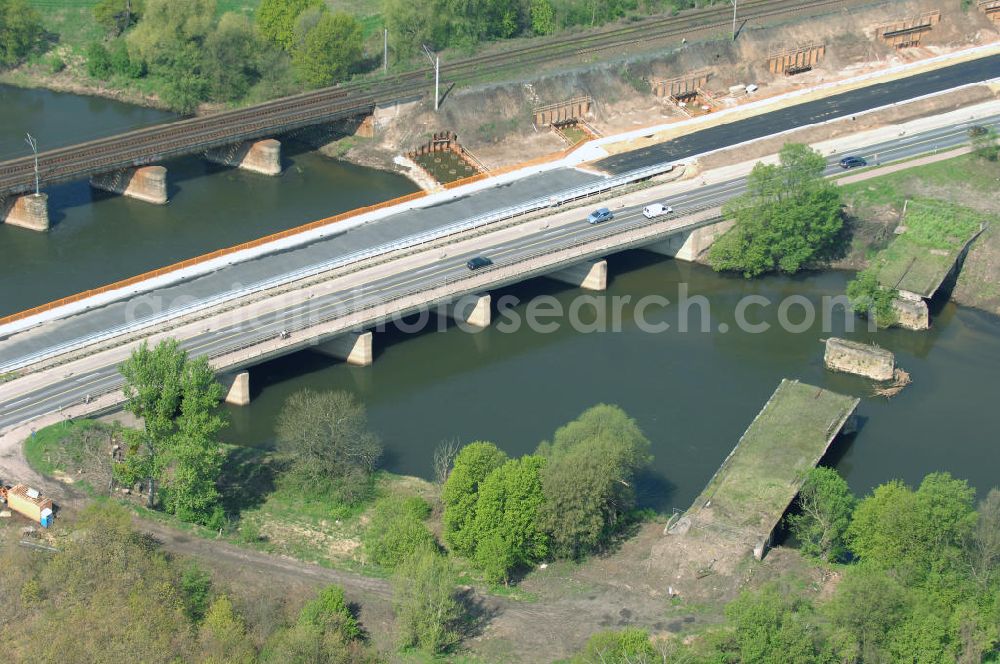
[506, 523]
[170, 40]
[461, 491]
[326, 631]
[330, 51]
[983, 546]
[223, 636]
[413, 23]
[789, 217]
[98, 61]
[325, 437]
[867, 606]
[276, 19]
[152, 392]
[20, 30]
[427, 610]
[589, 478]
[772, 628]
[543, 17]
[869, 298]
[396, 530]
[231, 62]
[117, 16]
[914, 532]
[330, 611]
[176, 399]
[122, 64]
[825, 504]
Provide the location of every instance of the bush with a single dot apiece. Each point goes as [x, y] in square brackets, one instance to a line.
[55, 64]
[396, 531]
[628, 646]
[869, 298]
[20, 31]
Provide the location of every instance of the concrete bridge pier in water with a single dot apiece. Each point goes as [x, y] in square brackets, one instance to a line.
[29, 211]
[144, 183]
[262, 157]
[589, 275]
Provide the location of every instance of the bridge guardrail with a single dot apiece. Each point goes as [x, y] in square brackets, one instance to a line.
[293, 328]
[354, 257]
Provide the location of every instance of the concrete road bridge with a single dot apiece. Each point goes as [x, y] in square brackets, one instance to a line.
[336, 312]
[245, 138]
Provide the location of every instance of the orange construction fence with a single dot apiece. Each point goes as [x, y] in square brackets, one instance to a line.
[280, 235]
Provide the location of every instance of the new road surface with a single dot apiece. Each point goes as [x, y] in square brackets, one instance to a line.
[75, 389]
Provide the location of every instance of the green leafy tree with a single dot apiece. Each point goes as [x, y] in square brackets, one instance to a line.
[330, 611]
[231, 65]
[396, 530]
[276, 19]
[326, 631]
[461, 491]
[117, 16]
[543, 17]
[869, 298]
[413, 23]
[122, 64]
[916, 532]
[98, 61]
[789, 217]
[628, 646]
[330, 51]
[825, 504]
[327, 442]
[589, 478]
[177, 400]
[506, 524]
[867, 606]
[223, 636]
[771, 628]
[20, 31]
[983, 547]
[170, 40]
[428, 613]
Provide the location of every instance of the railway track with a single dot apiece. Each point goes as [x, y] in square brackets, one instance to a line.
[160, 142]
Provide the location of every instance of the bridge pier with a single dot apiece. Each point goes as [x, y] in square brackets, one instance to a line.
[237, 386]
[262, 157]
[29, 211]
[145, 183]
[911, 311]
[688, 246]
[589, 275]
[355, 348]
[471, 311]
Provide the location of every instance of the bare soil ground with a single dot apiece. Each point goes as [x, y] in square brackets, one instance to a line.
[495, 121]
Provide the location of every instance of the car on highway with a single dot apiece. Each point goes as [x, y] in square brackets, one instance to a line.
[977, 130]
[599, 215]
[656, 210]
[477, 262]
[853, 162]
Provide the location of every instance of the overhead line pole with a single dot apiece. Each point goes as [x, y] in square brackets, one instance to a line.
[30, 140]
[436, 61]
[734, 19]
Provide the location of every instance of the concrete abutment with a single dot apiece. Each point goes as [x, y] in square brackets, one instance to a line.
[355, 348]
[589, 275]
[262, 157]
[911, 311]
[145, 183]
[474, 311]
[237, 386]
[690, 245]
[29, 211]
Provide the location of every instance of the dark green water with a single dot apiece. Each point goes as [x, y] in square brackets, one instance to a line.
[693, 393]
[98, 238]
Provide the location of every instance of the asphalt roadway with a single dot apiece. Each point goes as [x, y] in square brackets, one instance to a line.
[837, 106]
[74, 390]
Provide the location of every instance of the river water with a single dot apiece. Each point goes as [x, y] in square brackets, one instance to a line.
[693, 393]
[98, 238]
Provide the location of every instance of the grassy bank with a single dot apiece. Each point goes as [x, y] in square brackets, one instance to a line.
[263, 512]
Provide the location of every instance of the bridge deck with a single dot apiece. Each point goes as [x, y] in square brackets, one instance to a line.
[754, 486]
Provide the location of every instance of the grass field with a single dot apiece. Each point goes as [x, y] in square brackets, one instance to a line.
[763, 473]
